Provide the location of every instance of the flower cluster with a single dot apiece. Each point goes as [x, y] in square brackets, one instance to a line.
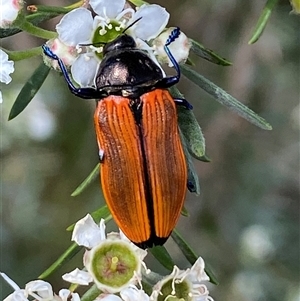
[111, 262]
[80, 35]
[114, 265]
[86, 33]
[39, 290]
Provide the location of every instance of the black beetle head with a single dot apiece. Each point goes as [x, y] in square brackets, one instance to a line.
[123, 41]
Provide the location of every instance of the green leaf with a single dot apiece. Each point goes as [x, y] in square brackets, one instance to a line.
[208, 54]
[35, 19]
[193, 136]
[189, 127]
[163, 257]
[29, 90]
[193, 180]
[184, 212]
[190, 255]
[191, 131]
[224, 98]
[262, 21]
[102, 212]
[89, 179]
[65, 257]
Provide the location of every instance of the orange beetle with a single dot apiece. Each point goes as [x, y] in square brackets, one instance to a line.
[143, 167]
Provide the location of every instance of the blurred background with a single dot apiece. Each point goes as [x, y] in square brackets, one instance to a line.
[245, 224]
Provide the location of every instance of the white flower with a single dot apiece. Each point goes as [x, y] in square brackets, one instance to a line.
[131, 293]
[66, 53]
[183, 284]
[7, 67]
[39, 290]
[180, 47]
[112, 262]
[78, 276]
[87, 233]
[79, 28]
[9, 11]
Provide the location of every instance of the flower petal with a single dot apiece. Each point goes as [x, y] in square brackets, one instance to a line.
[39, 288]
[132, 293]
[79, 277]
[84, 69]
[197, 273]
[76, 27]
[180, 47]
[18, 295]
[65, 295]
[109, 297]
[7, 67]
[87, 233]
[9, 11]
[107, 8]
[154, 20]
[9, 280]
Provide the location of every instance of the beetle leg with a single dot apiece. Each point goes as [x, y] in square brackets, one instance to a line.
[87, 93]
[190, 186]
[170, 80]
[173, 36]
[183, 102]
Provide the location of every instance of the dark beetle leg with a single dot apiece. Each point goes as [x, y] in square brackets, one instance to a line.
[191, 187]
[171, 80]
[87, 93]
[183, 102]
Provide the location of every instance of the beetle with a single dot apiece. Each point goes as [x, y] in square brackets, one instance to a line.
[143, 168]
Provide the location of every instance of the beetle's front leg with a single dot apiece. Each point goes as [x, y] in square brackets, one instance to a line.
[183, 102]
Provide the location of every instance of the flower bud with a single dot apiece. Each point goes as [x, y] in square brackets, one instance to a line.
[179, 48]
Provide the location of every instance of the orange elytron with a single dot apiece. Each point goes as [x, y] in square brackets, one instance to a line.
[143, 171]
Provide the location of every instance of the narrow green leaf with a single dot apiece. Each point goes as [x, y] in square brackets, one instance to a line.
[29, 90]
[262, 21]
[89, 179]
[65, 257]
[102, 212]
[193, 180]
[163, 257]
[184, 212]
[190, 127]
[190, 255]
[224, 98]
[204, 158]
[208, 54]
[191, 131]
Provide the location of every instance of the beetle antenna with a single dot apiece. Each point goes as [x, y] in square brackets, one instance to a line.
[94, 44]
[130, 25]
